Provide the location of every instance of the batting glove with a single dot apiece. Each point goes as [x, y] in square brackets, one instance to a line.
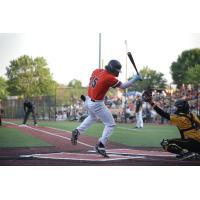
[136, 78]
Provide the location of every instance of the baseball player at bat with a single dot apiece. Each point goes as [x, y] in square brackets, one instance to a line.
[188, 146]
[100, 82]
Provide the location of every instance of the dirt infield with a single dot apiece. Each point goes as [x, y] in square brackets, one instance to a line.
[63, 153]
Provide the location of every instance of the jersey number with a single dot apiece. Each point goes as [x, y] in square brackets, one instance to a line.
[93, 81]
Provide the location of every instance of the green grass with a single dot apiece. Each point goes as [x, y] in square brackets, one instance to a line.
[10, 137]
[149, 136]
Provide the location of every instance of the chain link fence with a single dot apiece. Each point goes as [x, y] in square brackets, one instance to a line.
[44, 107]
[65, 101]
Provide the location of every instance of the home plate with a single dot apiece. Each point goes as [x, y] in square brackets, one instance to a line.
[80, 157]
[133, 152]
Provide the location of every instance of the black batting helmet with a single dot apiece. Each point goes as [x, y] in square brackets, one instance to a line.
[114, 67]
[182, 106]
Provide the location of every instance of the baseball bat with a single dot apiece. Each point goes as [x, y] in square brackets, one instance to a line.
[132, 61]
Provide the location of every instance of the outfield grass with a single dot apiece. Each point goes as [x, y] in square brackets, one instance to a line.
[10, 137]
[149, 136]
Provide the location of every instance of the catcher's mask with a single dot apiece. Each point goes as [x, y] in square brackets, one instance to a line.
[114, 67]
[182, 106]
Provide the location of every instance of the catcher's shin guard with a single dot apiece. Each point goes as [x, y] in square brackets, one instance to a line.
[174, 148]
[171, 147]
[164, 144]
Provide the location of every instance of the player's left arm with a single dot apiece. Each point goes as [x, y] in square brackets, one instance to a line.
[130, 82]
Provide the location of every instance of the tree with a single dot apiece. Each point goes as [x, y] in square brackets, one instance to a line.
[29, 77]
[75, 83]
[187, 60]
[3, 88]
[192, 75]
[151, 78]
[45, 84]
[69, 94]
[76, 90]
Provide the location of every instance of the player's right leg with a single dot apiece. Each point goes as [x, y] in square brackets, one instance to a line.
[81, 129]
[83, 126]
[25, 118]
[74, 138]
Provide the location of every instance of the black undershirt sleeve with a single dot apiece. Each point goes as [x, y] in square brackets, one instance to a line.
[161, 112]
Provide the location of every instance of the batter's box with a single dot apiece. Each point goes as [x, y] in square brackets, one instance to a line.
[134, 152]
[80, 157]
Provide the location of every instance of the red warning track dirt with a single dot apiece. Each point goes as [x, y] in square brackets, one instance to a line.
[62, 152]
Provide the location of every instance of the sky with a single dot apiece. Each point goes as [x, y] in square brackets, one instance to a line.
[67, 35]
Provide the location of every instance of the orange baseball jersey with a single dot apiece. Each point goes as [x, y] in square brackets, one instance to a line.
[100, 82]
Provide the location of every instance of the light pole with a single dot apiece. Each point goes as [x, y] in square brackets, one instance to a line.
[125, 99]
[198, 98]
[55, 101]
[99, 50]
[170, 101]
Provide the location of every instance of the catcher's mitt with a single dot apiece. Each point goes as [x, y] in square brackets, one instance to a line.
[147, 96]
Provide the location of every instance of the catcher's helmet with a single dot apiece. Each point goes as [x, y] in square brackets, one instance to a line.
[182, 106]
[114, 67]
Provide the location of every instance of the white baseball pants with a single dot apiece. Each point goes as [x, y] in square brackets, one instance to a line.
[98, 110]
[139, 119]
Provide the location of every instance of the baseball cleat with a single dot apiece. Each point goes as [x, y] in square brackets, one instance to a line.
[100, 148]
[75, 134]
[187, 156]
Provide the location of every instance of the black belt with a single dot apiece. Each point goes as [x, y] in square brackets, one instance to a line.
[95, 100]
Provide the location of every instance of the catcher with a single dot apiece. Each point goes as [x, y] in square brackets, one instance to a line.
[188, 146]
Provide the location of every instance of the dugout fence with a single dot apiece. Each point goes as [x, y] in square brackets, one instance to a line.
[65, 99]
[44, 107]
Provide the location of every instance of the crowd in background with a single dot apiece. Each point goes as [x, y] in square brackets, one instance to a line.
[123, 108]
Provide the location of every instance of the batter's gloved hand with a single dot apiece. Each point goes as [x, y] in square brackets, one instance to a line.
[147, 96]
[83, 98]
[136, 78]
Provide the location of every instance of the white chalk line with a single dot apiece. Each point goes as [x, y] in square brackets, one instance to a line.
[49, 133]
[113, 151]
[99, 158]
[53, 134]
[129, 129]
